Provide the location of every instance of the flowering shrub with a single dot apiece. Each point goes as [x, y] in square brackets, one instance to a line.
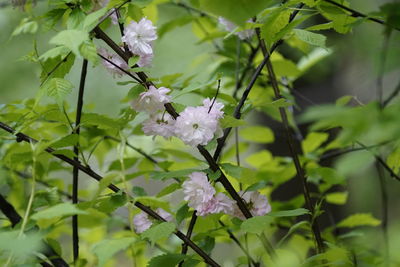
[212, 175]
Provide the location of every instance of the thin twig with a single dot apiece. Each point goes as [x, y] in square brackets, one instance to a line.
[189, 235]
[357, 14]
[385, 213]
[395, 92]
[86, 169]
[75, 171]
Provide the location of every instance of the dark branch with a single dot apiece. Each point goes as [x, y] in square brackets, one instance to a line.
[86, 169]
[9, 211]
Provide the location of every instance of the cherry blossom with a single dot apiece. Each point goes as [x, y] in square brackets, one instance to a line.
[142, 221]
[257, 203]
[152, 100]
[230, 26]
[217, 204]
[197, 190]
[139, 36]
[198, 125]
[116, 59]
[160, 124]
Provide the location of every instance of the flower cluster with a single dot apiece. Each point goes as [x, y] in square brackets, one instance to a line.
[201, 196]
[139, 37]
[142, 222]
[116, 60]
[230, 26]
[257, 204]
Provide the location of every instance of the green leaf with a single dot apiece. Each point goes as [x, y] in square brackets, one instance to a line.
[21, 247]
[166, 260]
[71, 39]
[313, 141]
[169, 26]
[92, 19]
[105, 249]
[359, 219]
[182, 213]
[257, 134]
[54, 52]
[69, 140]
[329, 175]
[171, 174]
[26, 26]
[337, 198]
[59, 210]
[228, 121]
[256, 225]
[275, 22]
[311, 38]
[57, 88]
[88, 51]
[159, 231]
[259, 158]
[101, 121]
[288, 213]
[237, 11]
[139, 191]
[168, 189]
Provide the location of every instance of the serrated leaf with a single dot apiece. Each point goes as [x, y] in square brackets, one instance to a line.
[359, 219]
[59, 210]
[158, 231]
[105, 249]
[21, 246]
[57, 88]
[55, 52]
[92, 19]
[166, 260]
[71, 39]
[311, 38]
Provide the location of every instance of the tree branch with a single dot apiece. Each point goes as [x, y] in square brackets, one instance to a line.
[75, 171]
[357, 14]
[86, 169]
[9, 211]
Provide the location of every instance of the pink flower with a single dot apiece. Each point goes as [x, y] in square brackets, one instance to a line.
[160, 124]
[197, 190]
[219, 203]
[216, 108]
[230, 26]
[196, 126]
[164, 214]
[139, 36]
[116, 59]
[152, 100]
[257, 203]
[145, 60]
[141, 222]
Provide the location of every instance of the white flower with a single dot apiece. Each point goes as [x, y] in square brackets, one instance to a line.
[197, 190]
[116, 59]
[165, 215]
[216, 108]
[145, 60]
[197, 126]
[257, 203]
[160, 124]
[139, 36]
[230, 26]
[141, 222]
[152, 100]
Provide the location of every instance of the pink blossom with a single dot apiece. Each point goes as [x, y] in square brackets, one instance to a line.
[145, 60]
[219, 203]
[197, 190]
[116, 59]
[141, 222]
[164, 214]
[257, 203]
[152, 100]
[160, 124]
[216, 108]
[230, 26]
[195, 126]
[139, 36]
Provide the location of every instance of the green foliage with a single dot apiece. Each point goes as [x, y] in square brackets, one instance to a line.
[359, 219]
[105, 249]
[167, 260]
[159, 231]
[59, 210]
